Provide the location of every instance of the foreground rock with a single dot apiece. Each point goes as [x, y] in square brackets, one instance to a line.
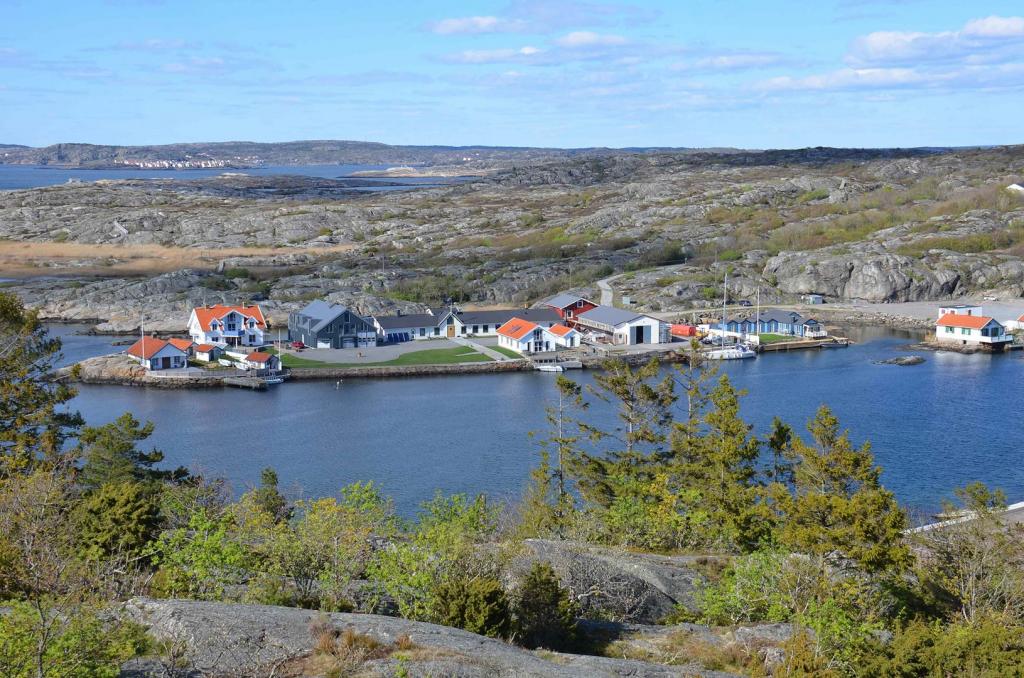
[617, 584]
[261, 640]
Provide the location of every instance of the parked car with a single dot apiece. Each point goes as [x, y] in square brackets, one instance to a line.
[297, 345]
[745, 302]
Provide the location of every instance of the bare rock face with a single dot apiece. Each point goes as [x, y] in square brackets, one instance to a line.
[254, 640]
[614, 583]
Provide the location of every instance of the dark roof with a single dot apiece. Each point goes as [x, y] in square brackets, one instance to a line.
[395, 322]
[771, 314]
[563, 300]
[609, 315]
[502, 316]
[318, 314]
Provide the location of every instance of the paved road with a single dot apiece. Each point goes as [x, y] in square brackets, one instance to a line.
[489, 352]
[607, 295]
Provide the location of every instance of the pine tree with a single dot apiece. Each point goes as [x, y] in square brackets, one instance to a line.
[636, 447]
[838, 502]
[718, 477]
[268, 498]
[32, 427]
[548, 502]
[111, 456]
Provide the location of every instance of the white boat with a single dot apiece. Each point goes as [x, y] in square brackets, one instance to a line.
[274, 380]
[550, 368]
[737, 352]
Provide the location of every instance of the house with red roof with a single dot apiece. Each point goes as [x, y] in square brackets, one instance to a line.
[525, 336]
[157, 354]
[258, 360]
[227, 325]
[968, 326]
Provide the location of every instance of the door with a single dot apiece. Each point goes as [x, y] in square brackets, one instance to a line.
[451, 330]
[165, 363]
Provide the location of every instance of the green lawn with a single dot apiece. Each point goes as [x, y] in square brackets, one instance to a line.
[776, 338]
[506, 351]
[430, 356]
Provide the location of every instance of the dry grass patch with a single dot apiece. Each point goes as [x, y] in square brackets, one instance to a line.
[24, 259]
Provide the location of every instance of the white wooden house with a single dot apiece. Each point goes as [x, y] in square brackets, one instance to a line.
[157, 354]
[971, 329]
[227, 325]
[623, 327]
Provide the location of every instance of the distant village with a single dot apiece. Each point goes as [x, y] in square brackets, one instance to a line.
[549, 334]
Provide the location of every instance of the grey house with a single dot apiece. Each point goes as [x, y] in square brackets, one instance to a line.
[322, 325]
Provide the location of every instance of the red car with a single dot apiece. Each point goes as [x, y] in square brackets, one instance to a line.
[298, 345]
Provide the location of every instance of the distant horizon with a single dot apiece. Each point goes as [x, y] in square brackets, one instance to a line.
[506, 146]
[516, 73]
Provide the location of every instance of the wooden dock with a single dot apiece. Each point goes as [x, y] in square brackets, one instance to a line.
[831, 342]
[252, 383]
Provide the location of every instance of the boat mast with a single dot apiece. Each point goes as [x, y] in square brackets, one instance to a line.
[757, 315]
[725, 297]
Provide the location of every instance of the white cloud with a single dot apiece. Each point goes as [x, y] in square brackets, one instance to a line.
[989, 39]
[845, 78]
[996, 27]
[490, 56]
[589, 39]
[196, 65]
[476, 24]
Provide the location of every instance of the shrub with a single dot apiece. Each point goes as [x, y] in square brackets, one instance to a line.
[545, 615]
[232, 273]
[476, 605]
[117, 518]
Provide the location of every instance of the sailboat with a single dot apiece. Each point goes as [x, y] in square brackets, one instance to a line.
[737, 352]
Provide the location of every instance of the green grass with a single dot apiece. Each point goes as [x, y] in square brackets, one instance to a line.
[430, 356]
[769, 338]
[506, 351]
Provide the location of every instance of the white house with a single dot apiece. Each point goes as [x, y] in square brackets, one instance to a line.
[451, 321]
[258, 360]
[525, 336]
[623, 327]
[157, 354]
[227, 325]
[207, 353]
[971, 329]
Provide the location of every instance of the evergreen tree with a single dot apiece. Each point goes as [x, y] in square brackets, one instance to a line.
[838, 502]
[548, 502]
[268, 498]
[32, 427]
[718, 477]
[635, 448]
[545, 614]
[117, 518]
[111, 455]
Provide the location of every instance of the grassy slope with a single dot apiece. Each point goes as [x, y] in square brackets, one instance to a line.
[430, 356]
[506, 351]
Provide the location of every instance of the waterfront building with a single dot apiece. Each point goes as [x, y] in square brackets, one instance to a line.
[451, 321]
[227, 325]
[524, 336]
[157, 354]
[568, 306]
[323, 325]
[971, 329]
[622, 327]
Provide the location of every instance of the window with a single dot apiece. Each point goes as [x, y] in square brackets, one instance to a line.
[579, 304]
[949, 330]
[476, 329]
[437, 331]
[965, 330]
[423, 331]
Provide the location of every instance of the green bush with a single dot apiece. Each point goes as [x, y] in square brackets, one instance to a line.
[236, 273]
[988, 648]
[545, 615]
[82, 646]
[749, 591]
[117, 518]
[476, 605]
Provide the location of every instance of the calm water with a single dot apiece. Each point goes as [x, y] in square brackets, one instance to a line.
[29, 176]
[933, 427]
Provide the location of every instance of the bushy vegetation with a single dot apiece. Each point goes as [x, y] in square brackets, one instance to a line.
[805, 531]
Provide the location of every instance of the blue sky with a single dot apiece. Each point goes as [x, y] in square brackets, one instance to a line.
[520, 72]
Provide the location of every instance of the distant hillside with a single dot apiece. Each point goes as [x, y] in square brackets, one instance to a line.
[251, 154]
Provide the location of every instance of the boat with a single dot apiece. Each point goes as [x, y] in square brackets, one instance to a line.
[835, 343]
[274, 380]
[550, 368]
[737, 352]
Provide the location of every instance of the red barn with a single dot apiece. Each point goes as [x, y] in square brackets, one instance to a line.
[568, 306]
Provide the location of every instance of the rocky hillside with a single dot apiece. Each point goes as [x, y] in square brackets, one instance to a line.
[871, 225]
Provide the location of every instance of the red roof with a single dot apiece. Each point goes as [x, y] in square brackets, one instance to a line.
[207, 313]
[974, 322]
[183, 344]
[204, 348]
[517, 328]
[560, 330]
[146, 347]
[258, 357]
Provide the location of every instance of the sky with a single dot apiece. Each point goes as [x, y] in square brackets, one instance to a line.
[564, 73]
